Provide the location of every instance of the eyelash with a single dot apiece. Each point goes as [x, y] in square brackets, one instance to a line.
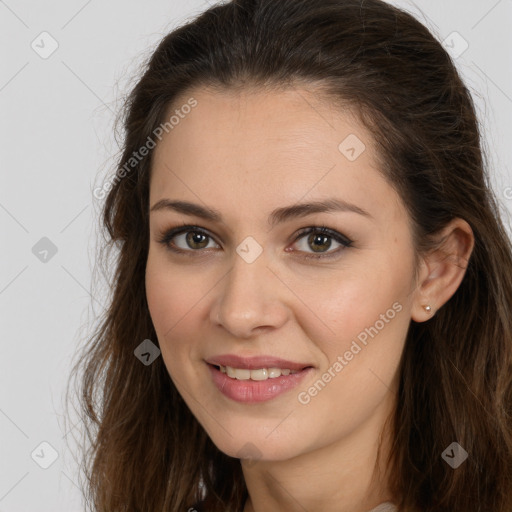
[168, 235]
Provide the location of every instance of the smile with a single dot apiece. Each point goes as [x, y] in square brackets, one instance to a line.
[257, 374]
[255, 385]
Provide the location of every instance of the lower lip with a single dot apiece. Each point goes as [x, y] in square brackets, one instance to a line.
[254, 391]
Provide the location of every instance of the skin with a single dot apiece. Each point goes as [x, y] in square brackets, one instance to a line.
[246, 153]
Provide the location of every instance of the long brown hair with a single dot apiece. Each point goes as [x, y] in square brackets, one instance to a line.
[147, 451]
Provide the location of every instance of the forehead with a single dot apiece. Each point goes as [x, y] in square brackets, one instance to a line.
[267, 148]
[285, 119]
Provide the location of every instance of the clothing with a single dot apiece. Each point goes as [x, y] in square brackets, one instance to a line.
[383, 507]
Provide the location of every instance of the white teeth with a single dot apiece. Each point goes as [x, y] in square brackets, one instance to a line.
[259, 374]
[274, 372]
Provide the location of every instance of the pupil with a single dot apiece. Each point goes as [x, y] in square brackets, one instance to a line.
[195, 237]
[316, 238]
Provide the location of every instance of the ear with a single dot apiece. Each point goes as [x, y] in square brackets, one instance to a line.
[443, 269]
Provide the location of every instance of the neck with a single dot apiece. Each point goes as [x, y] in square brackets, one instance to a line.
[343, 476]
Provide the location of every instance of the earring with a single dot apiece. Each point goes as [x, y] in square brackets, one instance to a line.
[428, 309]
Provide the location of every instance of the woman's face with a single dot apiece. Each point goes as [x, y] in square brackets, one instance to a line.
[243, 285]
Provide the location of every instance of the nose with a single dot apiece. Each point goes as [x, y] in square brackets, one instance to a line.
[250, 299]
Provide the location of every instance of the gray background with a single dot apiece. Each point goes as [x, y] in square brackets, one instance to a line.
[56, 143]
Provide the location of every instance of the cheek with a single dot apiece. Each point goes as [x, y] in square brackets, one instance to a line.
[171, 290]
[176, 301]
[162, 296]
[170, 295]
[348, 302]
[367, 315]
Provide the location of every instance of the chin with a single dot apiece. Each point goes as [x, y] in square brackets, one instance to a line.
[255, 443]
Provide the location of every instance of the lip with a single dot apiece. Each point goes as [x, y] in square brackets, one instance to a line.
[252, 391]
[256, 362]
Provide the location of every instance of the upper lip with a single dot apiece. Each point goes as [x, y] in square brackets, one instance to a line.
[255, 362]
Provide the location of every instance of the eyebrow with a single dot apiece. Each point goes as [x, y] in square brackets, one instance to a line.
[277, 216]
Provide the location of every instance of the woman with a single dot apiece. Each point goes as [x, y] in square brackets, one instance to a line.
[312, 289]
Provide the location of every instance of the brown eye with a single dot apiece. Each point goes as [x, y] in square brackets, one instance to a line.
[194, 237]
[320, 240]
[189, 239]
[317, 241]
